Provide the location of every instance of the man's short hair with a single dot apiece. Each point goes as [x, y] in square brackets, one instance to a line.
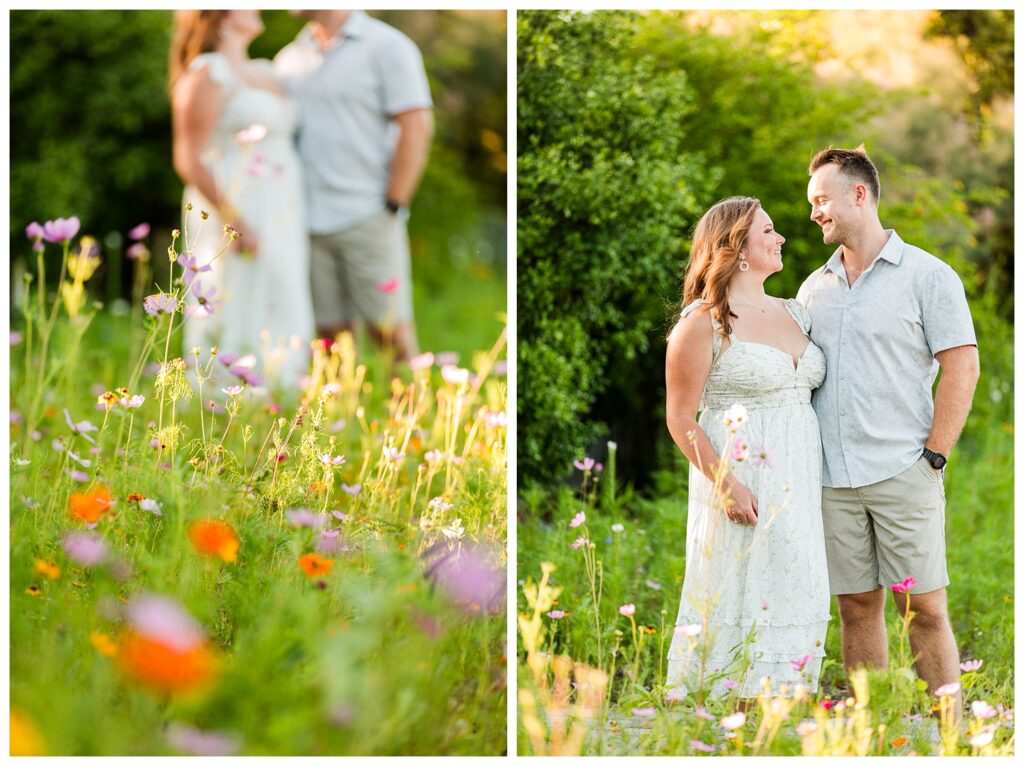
[854, 163]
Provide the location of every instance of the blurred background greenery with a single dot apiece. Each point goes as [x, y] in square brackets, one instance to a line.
[630, 125]
[90, 136]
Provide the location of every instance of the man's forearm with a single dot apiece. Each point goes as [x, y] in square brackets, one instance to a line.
[410, 157]
[952, 404]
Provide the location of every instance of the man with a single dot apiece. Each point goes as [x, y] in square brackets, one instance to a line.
[887, 315]
[366, 126]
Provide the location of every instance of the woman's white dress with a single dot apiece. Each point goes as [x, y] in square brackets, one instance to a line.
[267, 307]
[759, 594]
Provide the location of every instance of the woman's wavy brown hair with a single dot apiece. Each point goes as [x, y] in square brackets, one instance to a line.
[715, 255]
[195, 32]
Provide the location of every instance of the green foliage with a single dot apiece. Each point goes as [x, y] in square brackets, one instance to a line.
[604, 182]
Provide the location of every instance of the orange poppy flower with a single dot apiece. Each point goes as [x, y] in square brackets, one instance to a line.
[162, 667]
[314, 565]
[103, 644]
[90, 506]
[899, 741]
[135, 497]
[214, 538]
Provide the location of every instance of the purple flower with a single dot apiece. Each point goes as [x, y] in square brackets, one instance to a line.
[586, 465]
[730, 684]
[303, 517]
[644, 712]
[139, 232]
[82, 428]
[696, 744]
[500, 368]
[339, 515]
[392, 453]
[16, 417]
[627, 610]
[205, 299]
[191, 269]
[577, 520]
[329, 460]
[579, 542]
[227, 358]
[556, 614]
[970, 665]
[161, 303]
[15, 337]
[246, 375]
[136, 252]
[801, 663]
[163, 620]
[447, 358]
[329, 542]
[34, 231]
[351, 489]
[61, 229]
[469, 578]
[77, 475]
[700, 712]
[195, 742]
[87, 549]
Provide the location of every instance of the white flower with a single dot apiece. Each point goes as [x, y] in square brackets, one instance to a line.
[618, 528]
[392, 453]
[689, 631]
[148, 504]
[326, 459]
[454, 375]
[734, 721]
[21, 462]
[455, 531]
[734, 417]
[233, 390]
[982, 709]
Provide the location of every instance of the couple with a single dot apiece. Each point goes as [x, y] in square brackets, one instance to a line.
[322, 219]
[851, 511]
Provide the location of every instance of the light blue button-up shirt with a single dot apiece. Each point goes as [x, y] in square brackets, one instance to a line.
[348, 96]
[880, 338]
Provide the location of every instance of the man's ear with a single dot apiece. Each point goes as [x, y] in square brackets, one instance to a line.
[861, 193]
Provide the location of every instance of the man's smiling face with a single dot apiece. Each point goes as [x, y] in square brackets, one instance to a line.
[833, 200]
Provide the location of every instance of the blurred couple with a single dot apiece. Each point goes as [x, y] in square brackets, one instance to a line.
[817, 461]
[313, 159]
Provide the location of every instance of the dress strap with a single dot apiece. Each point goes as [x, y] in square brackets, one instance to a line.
[800, 314]
[218, 67]
[716, 328]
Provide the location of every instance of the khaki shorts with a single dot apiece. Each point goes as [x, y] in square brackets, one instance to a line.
[362, 273]
[883, 533]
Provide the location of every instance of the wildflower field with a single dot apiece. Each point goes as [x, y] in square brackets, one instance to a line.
[202, 563]
[600, 574]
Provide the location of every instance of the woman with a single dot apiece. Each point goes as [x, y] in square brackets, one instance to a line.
[233, 127]
[755, 598]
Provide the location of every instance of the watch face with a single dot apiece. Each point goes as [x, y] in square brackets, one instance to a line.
[939, 462]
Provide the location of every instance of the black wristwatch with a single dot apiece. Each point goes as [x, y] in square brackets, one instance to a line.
[937, 459]
[392, 206]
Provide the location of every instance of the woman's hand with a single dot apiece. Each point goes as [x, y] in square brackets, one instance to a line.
[247, 243]
[741, 506]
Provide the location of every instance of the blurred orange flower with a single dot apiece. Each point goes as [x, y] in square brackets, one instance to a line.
[90, 506]
[314, 565]
[136, 496]
[214, 538]
[47, 569]
[163, 667]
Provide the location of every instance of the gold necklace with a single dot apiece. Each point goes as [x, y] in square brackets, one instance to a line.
[744, 303]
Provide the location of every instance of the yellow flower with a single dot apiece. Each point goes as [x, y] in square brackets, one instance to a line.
[103, 644]
[47, 569]
[25, 738]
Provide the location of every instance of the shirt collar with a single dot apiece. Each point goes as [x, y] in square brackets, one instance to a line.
[354, 26]
[892, 252]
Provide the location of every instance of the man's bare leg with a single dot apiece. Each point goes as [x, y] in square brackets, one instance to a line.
[863, 625]
[936, 658]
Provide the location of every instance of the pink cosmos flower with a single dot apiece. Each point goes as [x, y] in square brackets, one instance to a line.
[701, 712]
[689, 631]
[87, 549]
[586, 464]
[800, 664]
[392, 453]
[827, 704]
[351, 489]
[730, 684]
[191, 269]
[136, 252]
[190, 740]
[132, 402]
[971, 665]
[61, 229]
[161, 303]
[495, 419]
[500, 368]
[15, 337]
[734, 721]
[447, 358]
[34, 231]
[983, 710]
[206, 300]
[579, 542]
[675, 695]
[947, 690]
[388, 286]
[141, 231]
[983, 737]
[328, 460]
[740, 450]
[329, 542]
[470, 578]
[806, 727]
[696, 744]
[76, 475]
[734, 417]
[303, 517]
[422, 361]
[556, 614]
[339, 515]
[577, 520]
[251, 135]
[433, 456]
[903, 587]
[627, 610]
[644, 712]
[165, 621]
[762, 457]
